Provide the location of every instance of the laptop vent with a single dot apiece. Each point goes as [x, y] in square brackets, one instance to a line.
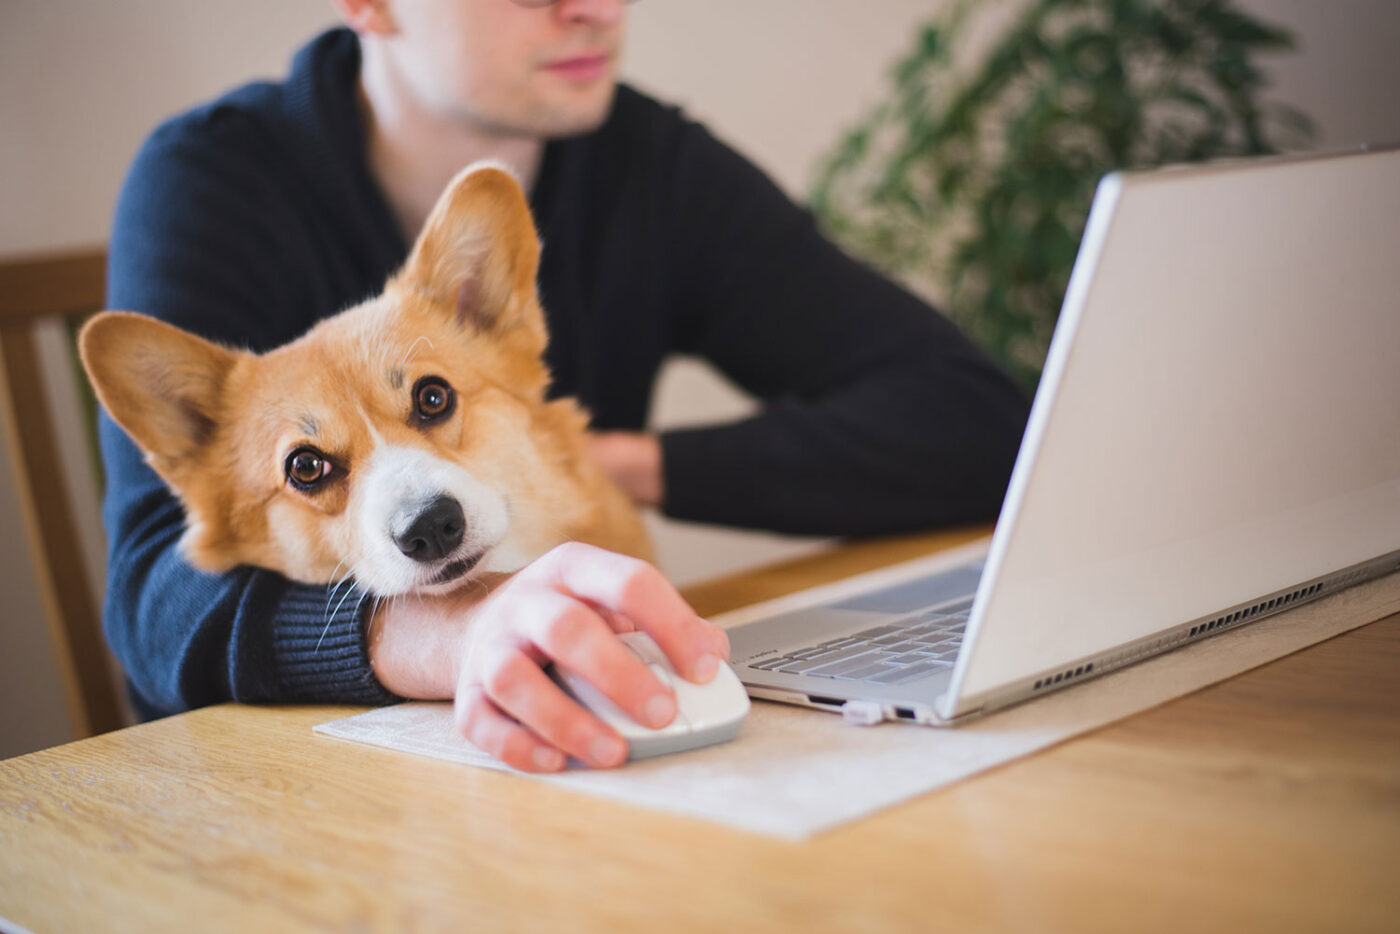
[1067, 675]
[1177, 637]
[1264, 606]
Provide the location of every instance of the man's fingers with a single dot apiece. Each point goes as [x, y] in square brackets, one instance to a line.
[520, 689]
[615, 620]
[578, 640]
[643, 594]
[568, 607]
[484, 726]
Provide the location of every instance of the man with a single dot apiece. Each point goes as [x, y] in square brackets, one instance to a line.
[248, 219]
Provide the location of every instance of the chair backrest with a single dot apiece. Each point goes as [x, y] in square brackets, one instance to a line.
[32, 290]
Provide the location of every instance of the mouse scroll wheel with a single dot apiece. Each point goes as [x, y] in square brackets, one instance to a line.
[644, 648]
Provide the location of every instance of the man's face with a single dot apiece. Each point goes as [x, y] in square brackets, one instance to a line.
[505, 68]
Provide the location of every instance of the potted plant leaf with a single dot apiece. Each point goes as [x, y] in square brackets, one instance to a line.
[973, 180]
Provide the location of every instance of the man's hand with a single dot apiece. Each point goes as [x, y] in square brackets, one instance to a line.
[633, 461]
[488, 652]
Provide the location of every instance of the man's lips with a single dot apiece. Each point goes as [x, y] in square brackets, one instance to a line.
[581, 67]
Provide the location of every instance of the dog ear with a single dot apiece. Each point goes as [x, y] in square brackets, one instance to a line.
[161, 384]
[478, 255]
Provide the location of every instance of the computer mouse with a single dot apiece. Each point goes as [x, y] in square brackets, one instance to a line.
[705, 713]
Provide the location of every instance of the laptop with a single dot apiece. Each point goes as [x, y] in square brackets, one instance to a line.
[1215, 439]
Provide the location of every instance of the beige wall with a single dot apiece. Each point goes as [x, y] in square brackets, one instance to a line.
[82, 81]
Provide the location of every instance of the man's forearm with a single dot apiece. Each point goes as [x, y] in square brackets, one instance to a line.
[415, 643]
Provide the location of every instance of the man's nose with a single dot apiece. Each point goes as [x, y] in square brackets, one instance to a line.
[434, 532]
[594, 11]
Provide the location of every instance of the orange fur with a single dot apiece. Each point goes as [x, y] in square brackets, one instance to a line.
[217, 423]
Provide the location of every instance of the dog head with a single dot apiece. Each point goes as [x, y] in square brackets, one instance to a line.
[406, 441]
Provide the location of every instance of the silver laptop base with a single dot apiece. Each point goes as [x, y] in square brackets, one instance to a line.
[862, 705]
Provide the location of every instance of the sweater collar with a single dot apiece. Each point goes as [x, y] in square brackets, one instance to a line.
[321, 103]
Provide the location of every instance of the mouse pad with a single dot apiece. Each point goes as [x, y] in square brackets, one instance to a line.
[795, 772]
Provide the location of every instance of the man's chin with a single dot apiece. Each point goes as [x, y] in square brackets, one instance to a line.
[578, 116]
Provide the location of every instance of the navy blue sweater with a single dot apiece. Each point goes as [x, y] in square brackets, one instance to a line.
[250, 218]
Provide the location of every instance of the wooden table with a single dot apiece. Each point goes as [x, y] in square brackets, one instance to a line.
[1268, 802]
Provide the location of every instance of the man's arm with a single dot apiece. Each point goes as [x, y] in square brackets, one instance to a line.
[196, 241]
[879, 415]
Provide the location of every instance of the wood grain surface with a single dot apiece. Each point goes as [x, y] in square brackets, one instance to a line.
[1268, 802]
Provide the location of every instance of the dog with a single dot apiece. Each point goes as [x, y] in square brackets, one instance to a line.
[406, 442]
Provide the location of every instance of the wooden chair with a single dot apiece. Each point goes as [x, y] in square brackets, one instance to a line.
[67, 287]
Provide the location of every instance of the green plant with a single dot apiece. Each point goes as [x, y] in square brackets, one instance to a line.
[974, 180]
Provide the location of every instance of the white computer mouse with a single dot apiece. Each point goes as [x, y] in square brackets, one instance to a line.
[705, 713]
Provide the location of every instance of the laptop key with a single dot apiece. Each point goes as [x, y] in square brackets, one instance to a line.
[866, 673]
[838, 669]
[902, 647]
[769, 663]
[875, 633]
[908, 674]
[827, 658]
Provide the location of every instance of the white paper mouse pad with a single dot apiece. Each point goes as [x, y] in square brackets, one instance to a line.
[794, 772]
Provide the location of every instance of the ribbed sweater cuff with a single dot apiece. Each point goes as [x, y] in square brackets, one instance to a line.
[320, 650]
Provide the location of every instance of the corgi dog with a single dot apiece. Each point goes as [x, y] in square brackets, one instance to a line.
[405, 442]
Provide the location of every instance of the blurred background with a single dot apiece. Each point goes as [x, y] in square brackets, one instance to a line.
[784, 81]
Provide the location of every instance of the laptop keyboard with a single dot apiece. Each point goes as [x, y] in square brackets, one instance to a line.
[889, 654]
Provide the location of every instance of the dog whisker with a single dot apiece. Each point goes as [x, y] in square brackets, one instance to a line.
[323, 635]
[331, 597]
[361, 602]
[335, 584]
[412, 347]
[331, 618]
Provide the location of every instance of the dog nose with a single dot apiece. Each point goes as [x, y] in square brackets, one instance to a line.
[434, 532]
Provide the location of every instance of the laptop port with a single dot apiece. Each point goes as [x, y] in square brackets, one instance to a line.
[904, 713]
[826, 701]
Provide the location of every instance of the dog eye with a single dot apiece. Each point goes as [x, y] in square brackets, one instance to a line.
[307, 467]
[432, 399]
